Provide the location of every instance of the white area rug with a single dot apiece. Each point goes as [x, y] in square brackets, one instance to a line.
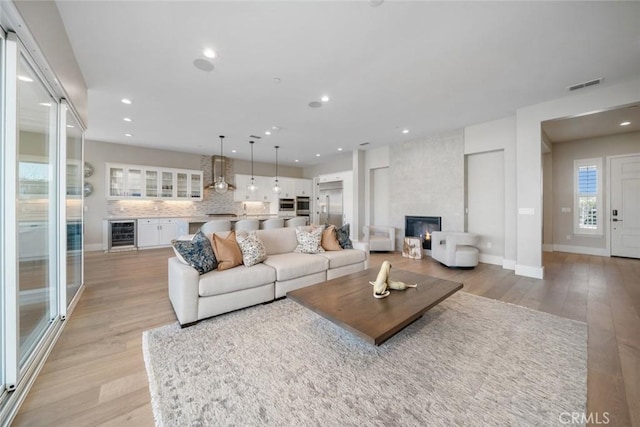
[470, 361]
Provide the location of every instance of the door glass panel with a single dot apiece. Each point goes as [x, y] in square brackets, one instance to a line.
[182, 184]
[36, 210]
[167, 184]
[195, 185]
[116, 182]
[134, 181]
[151, 186]
[75, 178]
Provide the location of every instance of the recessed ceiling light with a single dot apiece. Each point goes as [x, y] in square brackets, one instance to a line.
[25, 79]
[296, 160]
[209, 53]
[128, 134]
[625, 123]
[339, 149]
[234, 151]
[275, 128]
[318, 155]
[324, 98]
[70, 126]
[126, 101]
[268, 132]
[405, 130]
[45, 104]
[127, 119]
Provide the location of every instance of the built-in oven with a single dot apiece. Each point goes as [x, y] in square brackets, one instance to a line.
[303, 206]
[287, 205]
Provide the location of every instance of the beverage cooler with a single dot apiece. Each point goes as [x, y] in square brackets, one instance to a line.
[122, 235]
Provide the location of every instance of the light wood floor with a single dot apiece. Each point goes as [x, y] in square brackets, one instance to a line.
[96, 375]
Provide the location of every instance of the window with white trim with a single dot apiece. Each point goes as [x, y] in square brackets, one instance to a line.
[587, 190]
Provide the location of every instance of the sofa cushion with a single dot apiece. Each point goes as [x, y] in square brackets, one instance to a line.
[343, 257]
[294, 265]
[278, 240]
[227, 251]
[253, 251]
[235, 279]
[196, 252]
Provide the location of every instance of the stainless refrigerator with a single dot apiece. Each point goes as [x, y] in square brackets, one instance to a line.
[330, 203]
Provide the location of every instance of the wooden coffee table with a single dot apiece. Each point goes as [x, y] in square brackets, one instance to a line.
[348, 302]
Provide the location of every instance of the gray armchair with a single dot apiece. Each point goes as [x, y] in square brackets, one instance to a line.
[454, 249]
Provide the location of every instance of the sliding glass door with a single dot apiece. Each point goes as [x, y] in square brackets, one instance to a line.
[36, 210]
[73, 204]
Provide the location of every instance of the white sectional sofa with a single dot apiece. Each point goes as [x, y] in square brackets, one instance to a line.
[195, 297]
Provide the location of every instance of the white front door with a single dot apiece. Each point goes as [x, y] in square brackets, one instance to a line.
[625, 206]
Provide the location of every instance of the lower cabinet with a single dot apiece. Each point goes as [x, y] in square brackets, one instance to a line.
[154, 232]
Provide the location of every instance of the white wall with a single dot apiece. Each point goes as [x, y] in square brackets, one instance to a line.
[379, 207]
[339, 163]
[500, 135]
[485, 202]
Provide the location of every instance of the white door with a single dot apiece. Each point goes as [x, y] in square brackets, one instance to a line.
[625, 206]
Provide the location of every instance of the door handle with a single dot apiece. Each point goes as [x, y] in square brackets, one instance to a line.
[616, 220]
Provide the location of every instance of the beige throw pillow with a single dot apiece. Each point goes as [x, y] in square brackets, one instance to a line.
[227, 251]
[329, 240]
[308, 241]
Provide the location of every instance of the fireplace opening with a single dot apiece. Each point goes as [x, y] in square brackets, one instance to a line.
[422, 227]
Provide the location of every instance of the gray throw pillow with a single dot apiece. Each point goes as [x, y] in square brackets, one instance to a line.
[342, 234]
[197, 252]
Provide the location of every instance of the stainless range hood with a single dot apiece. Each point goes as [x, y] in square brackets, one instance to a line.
[217, 163]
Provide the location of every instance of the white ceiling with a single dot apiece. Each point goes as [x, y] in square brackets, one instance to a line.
[425, 66]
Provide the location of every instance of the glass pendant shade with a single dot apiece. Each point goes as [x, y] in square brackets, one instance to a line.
[276, 187]
[220, 185]
[252, 187]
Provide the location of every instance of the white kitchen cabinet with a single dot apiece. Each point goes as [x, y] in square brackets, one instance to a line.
[154, 232]
[338, 176]
[287, 187]
[146, 182]
[263, 194]
[304, 187]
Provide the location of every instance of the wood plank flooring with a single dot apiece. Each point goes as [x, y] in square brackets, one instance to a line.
[95, 375]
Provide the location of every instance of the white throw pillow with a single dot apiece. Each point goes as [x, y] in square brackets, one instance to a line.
[252, 248]
[308, 241]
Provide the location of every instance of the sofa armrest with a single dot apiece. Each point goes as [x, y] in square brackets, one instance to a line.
[184, 282]
[363, 246]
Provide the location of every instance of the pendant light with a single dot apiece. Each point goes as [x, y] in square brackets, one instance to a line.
[221, 186]
[252, 187]
[276, 186]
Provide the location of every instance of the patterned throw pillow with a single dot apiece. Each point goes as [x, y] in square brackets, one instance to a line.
[308, 241]
[197, 252]
[342, 234]
[253, 251]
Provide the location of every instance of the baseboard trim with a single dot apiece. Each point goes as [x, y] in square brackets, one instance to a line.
[509, 264]
[529, 271]
[93, 247]
[581, 250]
[491, 259]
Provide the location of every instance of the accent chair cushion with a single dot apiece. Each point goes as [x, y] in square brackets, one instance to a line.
[196, 252]
[227, 251]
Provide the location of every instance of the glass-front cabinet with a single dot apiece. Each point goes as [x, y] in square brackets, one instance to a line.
[146, 182]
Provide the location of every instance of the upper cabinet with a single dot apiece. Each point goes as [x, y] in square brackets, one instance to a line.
[147, 182]
[304, 187]
[289, 188]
